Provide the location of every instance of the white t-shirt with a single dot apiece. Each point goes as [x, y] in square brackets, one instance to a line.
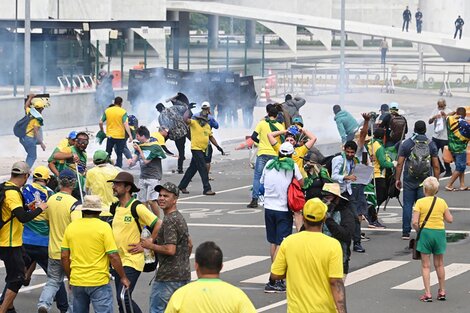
[442, 135]
[275, 187]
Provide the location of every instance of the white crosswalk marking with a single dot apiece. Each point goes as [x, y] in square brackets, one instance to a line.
[261, 279]
[452, 270]
[372, 270]
[237, 263]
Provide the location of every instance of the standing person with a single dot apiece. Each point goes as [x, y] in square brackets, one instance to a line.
[116, 127]
[87, 251]
[172, 247]
[201, 134]
[265, 149]
[61, 212]
[248, 103]
[432, 236]
[406, 19]
[440, 138]
[314, 264]
[277, 176]
[384, 111]
[14, 213]
[149, 154]
[383, 50]
[98, 176]
[417, 159]
[458, 27]
[346, 124]
[419, 21]
[395, 125]
[458, 147]
[317, 176]
[209, 294]
[33, 108]
[293, 105]
[56, 165]
[127, 234]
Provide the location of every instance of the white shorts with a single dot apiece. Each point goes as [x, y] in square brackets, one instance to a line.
[147, 191]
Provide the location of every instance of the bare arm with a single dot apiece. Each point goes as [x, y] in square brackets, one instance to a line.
[277, 277]
[399, 169]
[155, 230]
[415, 220]
[435, 167]
[311, 138]
[272, 136]
[339, 294]
[65, 259]
[116, 263]
[212, 139]
[128, 130]
[27, 104]
[448, 217]
[101, 125]
[168, 249]
[53, 168]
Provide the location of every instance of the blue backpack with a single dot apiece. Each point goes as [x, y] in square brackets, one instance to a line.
[20, 126]
[464, 128]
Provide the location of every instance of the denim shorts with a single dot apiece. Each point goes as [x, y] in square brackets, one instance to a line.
[278, 225]
[460, 160]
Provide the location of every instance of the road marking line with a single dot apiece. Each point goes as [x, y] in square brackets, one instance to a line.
[261, 279]
[452, 270]
[372, 270]
[271, 306]
[237, 263]
[217, 192]
[24, 289]
[226, 225]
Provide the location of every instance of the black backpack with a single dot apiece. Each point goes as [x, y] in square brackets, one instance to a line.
[148, 267]
[20, 126]
[397, 128]
[3, 190]
[419, 161]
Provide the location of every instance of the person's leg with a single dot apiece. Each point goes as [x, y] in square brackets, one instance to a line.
[409, 198]
[438, 260]
[426, 272]
[439, 146]
[189, 174]
[403, 26]
[101, 299]
[152, 196]
[261, 161]
[119, 148]
[180, 143]
[460, 36]
[14, 267]
[202, 169]
[81, 300]
[357, 191]
[127, 153]
[161, 294]
[133, 275]
[109, 146]
[29, 144]
[55, 276]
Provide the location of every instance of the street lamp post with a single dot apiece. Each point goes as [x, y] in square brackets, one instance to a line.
[27, 47]
[341, 66]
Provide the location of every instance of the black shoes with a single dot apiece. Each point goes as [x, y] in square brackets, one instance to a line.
[358, 248]
[208, 193]
[253, 203]
[184, 190]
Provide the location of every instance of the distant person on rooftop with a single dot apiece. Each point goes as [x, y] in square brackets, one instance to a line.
[458, 27]
[406, 19]
[419, 21]
[383, 50]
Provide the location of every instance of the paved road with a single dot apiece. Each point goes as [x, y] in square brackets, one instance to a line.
[384, 278]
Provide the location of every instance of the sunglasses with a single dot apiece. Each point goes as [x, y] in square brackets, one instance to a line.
[82, 141]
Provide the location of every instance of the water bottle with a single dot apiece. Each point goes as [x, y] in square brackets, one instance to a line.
[37, 199]
[149, 255]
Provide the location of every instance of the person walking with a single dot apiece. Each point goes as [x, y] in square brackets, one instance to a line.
[87, 250]
[458, 27]
[406, 19]
[209, 294]
[429, 215]
[314, 264]
[417, 160]
[346, 124]
[419, 21]
[438, 119]
[383, 50]
[116, 127]
[395, 125]
[14, 213]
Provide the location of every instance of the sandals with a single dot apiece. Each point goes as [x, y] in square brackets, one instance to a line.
[463, 188]
[457, 189]
[441, 296]
[450, 188]
[425, 298]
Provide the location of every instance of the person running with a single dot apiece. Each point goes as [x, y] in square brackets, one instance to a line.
[440, 137]
[346, 124]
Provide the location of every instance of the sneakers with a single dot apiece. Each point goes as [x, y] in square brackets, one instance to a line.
[364, 238]
[278, 287]
[441, 295]
[425, 298]
[377, 224]
[253, 203]
[209, 193]
[180, 172]
[358, 248]
[405, 236]
[184, 190]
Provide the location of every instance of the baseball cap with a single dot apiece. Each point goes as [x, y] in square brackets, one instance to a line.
[41, 172]
[67, 173]
[393, 106]
[38, 103]
[100, 156]
[286, 148]
[314, 210]
[205, 105]
[170, 187]
[298, 120]
[72, 135]
[92, 203]
[20, 167]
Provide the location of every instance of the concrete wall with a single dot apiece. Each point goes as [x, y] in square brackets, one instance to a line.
[66, 110]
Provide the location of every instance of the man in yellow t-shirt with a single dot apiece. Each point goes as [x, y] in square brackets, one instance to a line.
[127, 234]
[14, 214]
[62, 211]
[88, 248]
[209, 294]
[201, 134]
[116, 127]
[265, 149]
[314, 264]
[161, 136]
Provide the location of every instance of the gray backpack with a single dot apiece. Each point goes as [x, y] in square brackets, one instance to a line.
[419, 161]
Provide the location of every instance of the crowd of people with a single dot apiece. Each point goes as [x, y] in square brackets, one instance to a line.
[87, 224]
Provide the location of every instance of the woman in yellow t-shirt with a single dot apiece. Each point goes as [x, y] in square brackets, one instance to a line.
[432, 239]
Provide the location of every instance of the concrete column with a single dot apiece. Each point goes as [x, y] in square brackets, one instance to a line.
[130, 40]
[250, 33]
[213, 31]
[184, 28]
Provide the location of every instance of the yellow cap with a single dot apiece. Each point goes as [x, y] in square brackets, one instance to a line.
[314, 210]
[41, 172]
[38, 103]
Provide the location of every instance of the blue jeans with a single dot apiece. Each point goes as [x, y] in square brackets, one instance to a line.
[55, 279]
[133, 275]
[29, 145]
[261, 161]
[101, 298]
[118, 145]
[161, 294]
[410, 196]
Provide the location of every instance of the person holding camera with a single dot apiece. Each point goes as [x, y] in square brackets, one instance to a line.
[149, 153]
